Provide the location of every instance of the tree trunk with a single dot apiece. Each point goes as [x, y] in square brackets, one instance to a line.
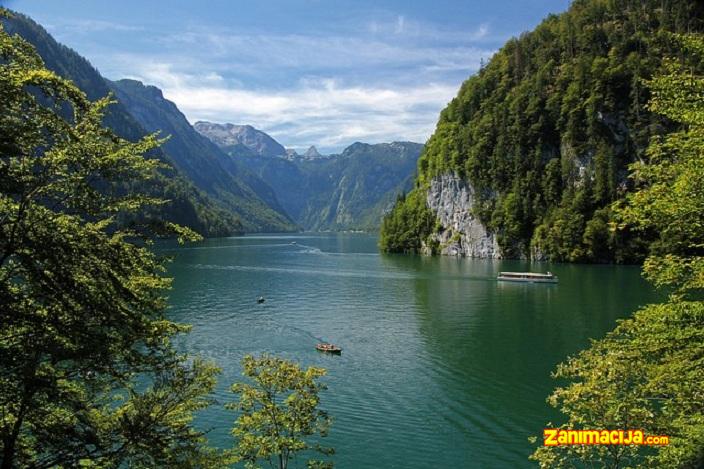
[10, 442]
[8, 452]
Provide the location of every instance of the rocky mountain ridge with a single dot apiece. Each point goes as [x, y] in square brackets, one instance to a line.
[227, 136]
[350, 190]
[223, 178]
[461, 234]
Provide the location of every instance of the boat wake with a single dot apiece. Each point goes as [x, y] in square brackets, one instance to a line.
[331, 272]
[229, 246]
[305, 249]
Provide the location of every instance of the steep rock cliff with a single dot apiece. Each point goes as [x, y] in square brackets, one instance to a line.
[458, 232]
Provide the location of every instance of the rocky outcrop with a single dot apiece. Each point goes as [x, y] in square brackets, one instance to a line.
[229, 136]
[312, 152]
[461, 233]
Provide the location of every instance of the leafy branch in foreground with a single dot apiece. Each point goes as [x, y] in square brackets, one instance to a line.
[278, 413]
[88, 375]
[648, 373]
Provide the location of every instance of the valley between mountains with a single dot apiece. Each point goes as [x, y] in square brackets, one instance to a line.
[229, 179]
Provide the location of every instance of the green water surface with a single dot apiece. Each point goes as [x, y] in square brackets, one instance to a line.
[442, 366]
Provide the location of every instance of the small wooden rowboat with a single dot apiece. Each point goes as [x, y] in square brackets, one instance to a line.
[328, 348]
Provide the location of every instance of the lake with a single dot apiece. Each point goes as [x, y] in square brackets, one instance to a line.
[442, 366]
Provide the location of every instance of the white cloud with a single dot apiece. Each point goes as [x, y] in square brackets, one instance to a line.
[399, 24]
[385, 80]
[295, 51]
[91, 26]
[481, 32]
[324, 112]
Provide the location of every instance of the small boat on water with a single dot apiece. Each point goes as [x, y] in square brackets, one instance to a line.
[328, 348]
[260, 300]
[529, 277]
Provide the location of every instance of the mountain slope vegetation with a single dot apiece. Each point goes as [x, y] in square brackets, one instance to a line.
[349, 191]
[89, 372]
[544, 133]
[219, 175]
[221, 205]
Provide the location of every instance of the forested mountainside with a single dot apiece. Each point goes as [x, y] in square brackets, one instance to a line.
[211, 210]
[527, 160]
[210, 169]
[353, 190]
[349, 191]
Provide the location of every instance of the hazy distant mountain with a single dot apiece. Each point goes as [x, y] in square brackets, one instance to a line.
[351, 190]
[239, 177]
[361, 185]
[231, 138]
[312, 152]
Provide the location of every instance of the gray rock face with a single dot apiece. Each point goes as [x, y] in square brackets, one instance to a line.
[229, 135]
[451, 198]
[312, 152]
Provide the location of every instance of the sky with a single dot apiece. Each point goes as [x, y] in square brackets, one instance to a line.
[308, 72]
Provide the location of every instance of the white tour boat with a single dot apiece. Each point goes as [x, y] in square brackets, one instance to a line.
[530, 277]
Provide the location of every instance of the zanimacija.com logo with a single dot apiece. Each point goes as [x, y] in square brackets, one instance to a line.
[561, 436]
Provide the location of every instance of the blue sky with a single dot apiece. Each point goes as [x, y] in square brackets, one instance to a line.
[309, 72]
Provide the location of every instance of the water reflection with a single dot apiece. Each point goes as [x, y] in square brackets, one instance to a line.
[493, 344]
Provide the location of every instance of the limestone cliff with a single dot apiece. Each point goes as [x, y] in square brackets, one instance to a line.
[460, 233]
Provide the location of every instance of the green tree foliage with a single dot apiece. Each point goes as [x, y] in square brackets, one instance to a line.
[408, 225]
[88, 376]
[546, 130]
[279, 413]
[649, 372]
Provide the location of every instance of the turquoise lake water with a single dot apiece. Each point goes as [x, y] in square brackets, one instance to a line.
[442, 366]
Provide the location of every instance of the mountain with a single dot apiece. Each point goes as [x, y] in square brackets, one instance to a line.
[218, 174]
[527, 159]
[238, 178]
[188, 205]
[232, 138]
[338, 192]
[224, 210]
[352, 190]
[312, 152]
[355, 189]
